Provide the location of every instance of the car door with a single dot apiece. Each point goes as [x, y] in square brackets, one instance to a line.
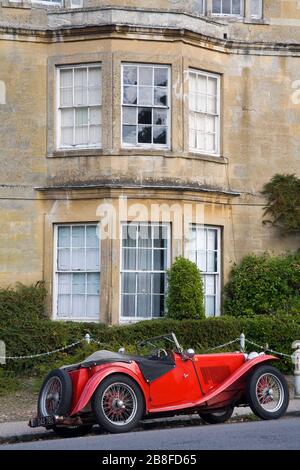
[179, 386]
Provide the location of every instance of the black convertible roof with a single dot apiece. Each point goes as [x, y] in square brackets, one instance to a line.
[151, 369]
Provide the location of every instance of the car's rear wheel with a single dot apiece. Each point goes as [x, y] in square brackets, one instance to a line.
[217, 417]
[118, 404]
[267, 392]
[55, 399]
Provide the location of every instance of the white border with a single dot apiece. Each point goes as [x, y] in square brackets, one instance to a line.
[217, 153]
[55, 275]
[125, 320]
[58, 113]
[169, 109]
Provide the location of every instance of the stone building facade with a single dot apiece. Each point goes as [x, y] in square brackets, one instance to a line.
[133, 132]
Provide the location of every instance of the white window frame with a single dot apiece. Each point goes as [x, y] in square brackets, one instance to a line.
[166, 146]
[260, 15]
[168, 251]
[48, 2]
[234, 15]
[218, 273]
[56, 272]
[217, 152]
[58, 107]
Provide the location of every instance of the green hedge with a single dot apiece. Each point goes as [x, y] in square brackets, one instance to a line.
[27, 333]
[264, 285]
[185, 297]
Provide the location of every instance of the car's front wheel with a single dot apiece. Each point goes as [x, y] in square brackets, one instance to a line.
[118, 404]
[267, 392]
[217, 417]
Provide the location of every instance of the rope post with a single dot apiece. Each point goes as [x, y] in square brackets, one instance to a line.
[88, 338]
[242, 342]
[296, 360]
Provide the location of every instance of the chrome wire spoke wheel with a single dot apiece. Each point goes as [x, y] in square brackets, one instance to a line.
[51, 397]
[119, 404]
[269, 392]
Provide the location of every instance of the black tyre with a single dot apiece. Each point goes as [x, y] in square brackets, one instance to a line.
[118, 404]
[217, 417]
[267, 392]
[73, 431]
[55, 396]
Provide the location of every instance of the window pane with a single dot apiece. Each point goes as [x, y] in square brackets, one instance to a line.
[80, 86]
[129, 259]
[66, 97]
[212, 104]
[144, 283]
[95, 135]
[160, 235]
[160, 135]
[143, 306]
[130, 75]
[226, 7]
[146, 76]
[160, 117]
[160, 97]
[64, 283]
[81, 117]
[128, 305]
[128, 283]
[92, 307]
[145, 116]
[81, 135]
[210, 309]
[236, 7]
[144, 259]
[66, 78]
[67, 117]
[144, 237]
[210, 143]
[158, 305]
[161, 77]
[129, 115]
[92, 240]
[78, 283]
[64, 306]
[200, 122]
[130, 95]
[201, 103]
[67, 136]
[256, 10]
[160, 260]
[78, 259]
[78, 237]
[212, 262]
[129, 134]
[93, 283]
[63, 261]
[63, 237]
[94, 85]
[210, 285]
[78, 306]
[146, 96]
[144, 135]
[129, 235]
[158, 283]
[201, 260]
[216, 6]
[212, 240]
[92, 259]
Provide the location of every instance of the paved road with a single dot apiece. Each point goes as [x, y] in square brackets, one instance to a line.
[283, 434]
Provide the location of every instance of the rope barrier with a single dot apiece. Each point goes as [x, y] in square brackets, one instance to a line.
[88, 339]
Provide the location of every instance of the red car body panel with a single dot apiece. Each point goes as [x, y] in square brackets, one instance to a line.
[206, 381]
[99, 373]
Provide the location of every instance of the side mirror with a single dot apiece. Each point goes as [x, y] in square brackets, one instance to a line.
[121, 351]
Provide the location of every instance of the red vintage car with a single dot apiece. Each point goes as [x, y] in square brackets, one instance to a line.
[116, 390]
